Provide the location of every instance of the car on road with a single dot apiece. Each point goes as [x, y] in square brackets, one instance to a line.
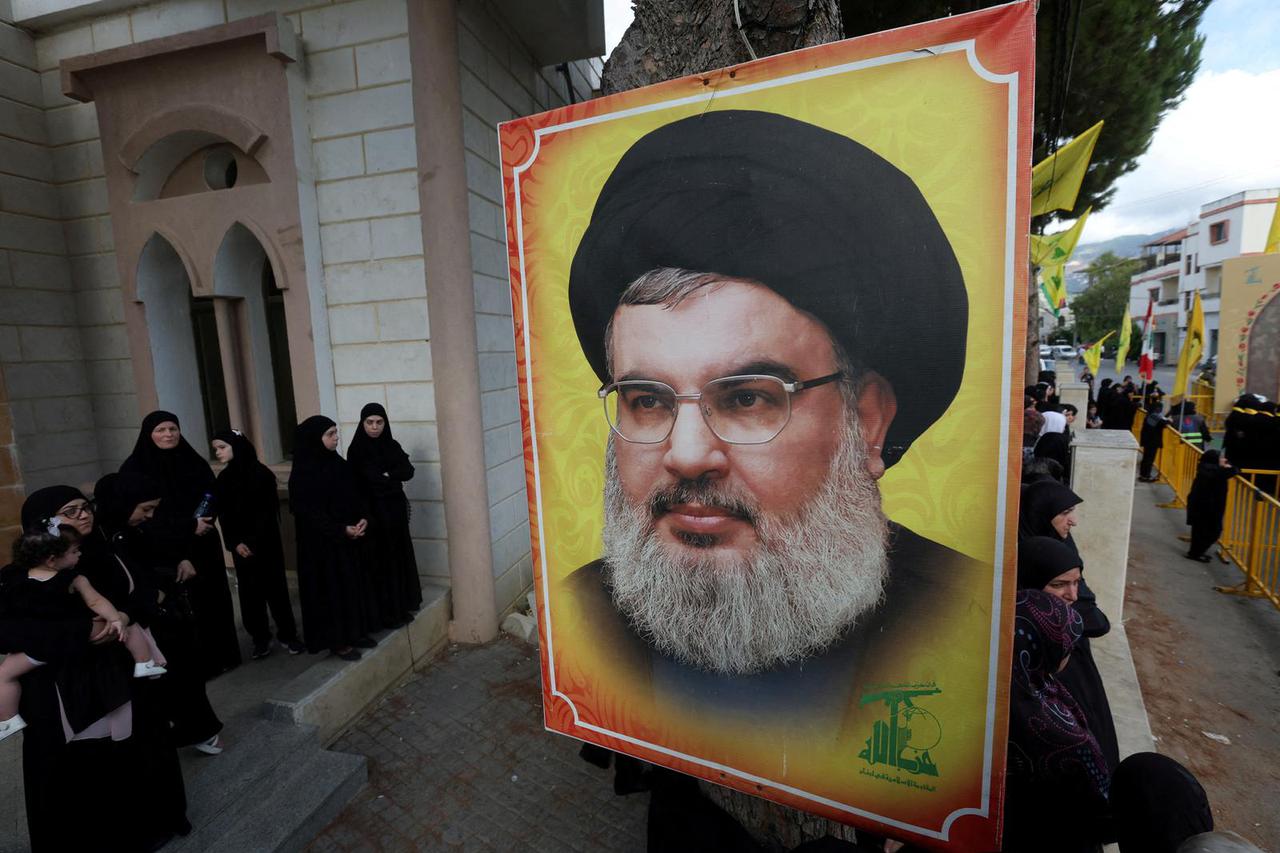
[1046, 351]
[1064, 351]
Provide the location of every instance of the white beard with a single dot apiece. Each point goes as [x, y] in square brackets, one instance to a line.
[808, 580]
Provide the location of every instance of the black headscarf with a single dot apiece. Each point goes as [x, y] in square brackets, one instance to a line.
[385, 449]
[1049, 737]
[244, 464]
[1043, 558]
[116, 496]
[1041, 501]
[321, 480]
[42, 504]
[183, 475]
[826, 223]
[1158, 804]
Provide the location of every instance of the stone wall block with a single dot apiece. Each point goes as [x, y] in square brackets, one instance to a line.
[50, 343]
[411, 401]
[10, 346]
[112, 32]
[105, 342]
[390, 150]
[21, 84]
[397, 237]
[51, 91]
[494, 334]
[409, 361]
[402, 278]
[486, 217]
[94, 272]
[363, 198]
[383, 62]
[419, 440]
[331, 71]
[493, 294]
[17, 46]
[23, 122]
[338, 158]
[37, 308]
[488, 256]
[352, 398]
[481, 100]
[175, 16]
[354, 23]
[55, 47]
[111, 377]
[345, 242]
[427, 521]
[100, 307]
[91, 236]
[84, 198]
[432, 556]
[26, 159]
[39, 380]
[40, 272]
[115, 410]
[76, 123]
[403, 321]
[500, 407]
[505, 480]
[72, 162]
[426, 484]
[27, 233]
[60, 414]
[361, 110]
[508, 549]
[23, 195]
[497, 370]
[353, 324]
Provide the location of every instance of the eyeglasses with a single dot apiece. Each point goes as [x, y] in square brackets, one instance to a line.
[750, 409]
[77, 510]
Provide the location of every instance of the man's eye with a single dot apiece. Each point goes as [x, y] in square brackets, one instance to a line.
[647, 401]
[744, 399]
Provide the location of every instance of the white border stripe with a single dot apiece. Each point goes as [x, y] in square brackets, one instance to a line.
[1009, 80]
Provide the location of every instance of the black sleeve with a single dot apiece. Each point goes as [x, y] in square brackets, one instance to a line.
[1096, 623]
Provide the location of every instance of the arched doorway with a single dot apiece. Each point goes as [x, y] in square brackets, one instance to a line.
[183, 343]
[1262, 374]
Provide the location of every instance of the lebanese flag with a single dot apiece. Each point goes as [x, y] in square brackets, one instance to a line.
[1146, 362]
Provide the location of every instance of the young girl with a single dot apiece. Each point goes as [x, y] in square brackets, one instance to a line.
[38, 587]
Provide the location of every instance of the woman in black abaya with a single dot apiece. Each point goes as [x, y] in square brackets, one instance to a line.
[85, 794]
[185, 541]
[381, 467]
[250, 514]
[1207, 503]
[1048, 510]
[1055, 766]
[126, 503]
[331, 519]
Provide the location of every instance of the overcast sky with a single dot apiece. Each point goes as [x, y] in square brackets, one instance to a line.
[1223, 138]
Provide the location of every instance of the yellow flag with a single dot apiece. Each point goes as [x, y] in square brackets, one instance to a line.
[1192, 347]
[1122, 349]
[1057, 248]
[1093, 355]
[1273, 236]
[1055, 180]
[1053, 284]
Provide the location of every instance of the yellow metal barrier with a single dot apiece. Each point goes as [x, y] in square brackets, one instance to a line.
[1251, 539]
[1251, 525]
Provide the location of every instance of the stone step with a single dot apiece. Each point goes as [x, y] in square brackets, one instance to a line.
[272, 790]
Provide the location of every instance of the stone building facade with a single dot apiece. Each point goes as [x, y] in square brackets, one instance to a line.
[250, 211]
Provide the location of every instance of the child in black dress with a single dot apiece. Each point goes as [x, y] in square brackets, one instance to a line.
[37, 588]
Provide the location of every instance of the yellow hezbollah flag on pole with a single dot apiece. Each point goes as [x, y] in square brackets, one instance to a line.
[1093, 355]
[1057, 248]
[1122, 349]
[1055, 180]
[1053, 284]
[1192, 347]
[1273, 236]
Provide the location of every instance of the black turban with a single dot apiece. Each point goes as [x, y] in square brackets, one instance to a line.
[821, 220]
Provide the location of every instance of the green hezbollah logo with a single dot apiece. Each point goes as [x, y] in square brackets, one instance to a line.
[903, 740]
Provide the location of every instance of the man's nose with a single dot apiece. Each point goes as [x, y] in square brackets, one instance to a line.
[693, 450]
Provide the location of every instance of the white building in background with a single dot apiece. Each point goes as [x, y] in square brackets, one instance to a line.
[1190, 260]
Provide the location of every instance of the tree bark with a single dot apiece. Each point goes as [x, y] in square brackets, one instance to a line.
[675, 38]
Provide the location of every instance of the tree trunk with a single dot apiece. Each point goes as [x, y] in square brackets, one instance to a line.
[675, 38]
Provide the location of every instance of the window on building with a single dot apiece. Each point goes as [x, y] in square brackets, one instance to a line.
[1188, 264]
[1186, 301]
[1218, 232]
[213, 385]
[278, 339]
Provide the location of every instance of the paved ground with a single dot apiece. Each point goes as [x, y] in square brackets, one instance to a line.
[458, 760]
[1207, 662]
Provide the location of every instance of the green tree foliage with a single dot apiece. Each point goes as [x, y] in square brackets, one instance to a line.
[1132, 60]
[1100, 308]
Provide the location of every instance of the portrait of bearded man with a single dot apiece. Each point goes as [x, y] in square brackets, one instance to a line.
[775, 315]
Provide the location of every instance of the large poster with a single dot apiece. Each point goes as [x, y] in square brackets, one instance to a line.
[769, 327]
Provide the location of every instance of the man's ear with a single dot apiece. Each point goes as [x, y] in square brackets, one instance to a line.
[877, 405]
